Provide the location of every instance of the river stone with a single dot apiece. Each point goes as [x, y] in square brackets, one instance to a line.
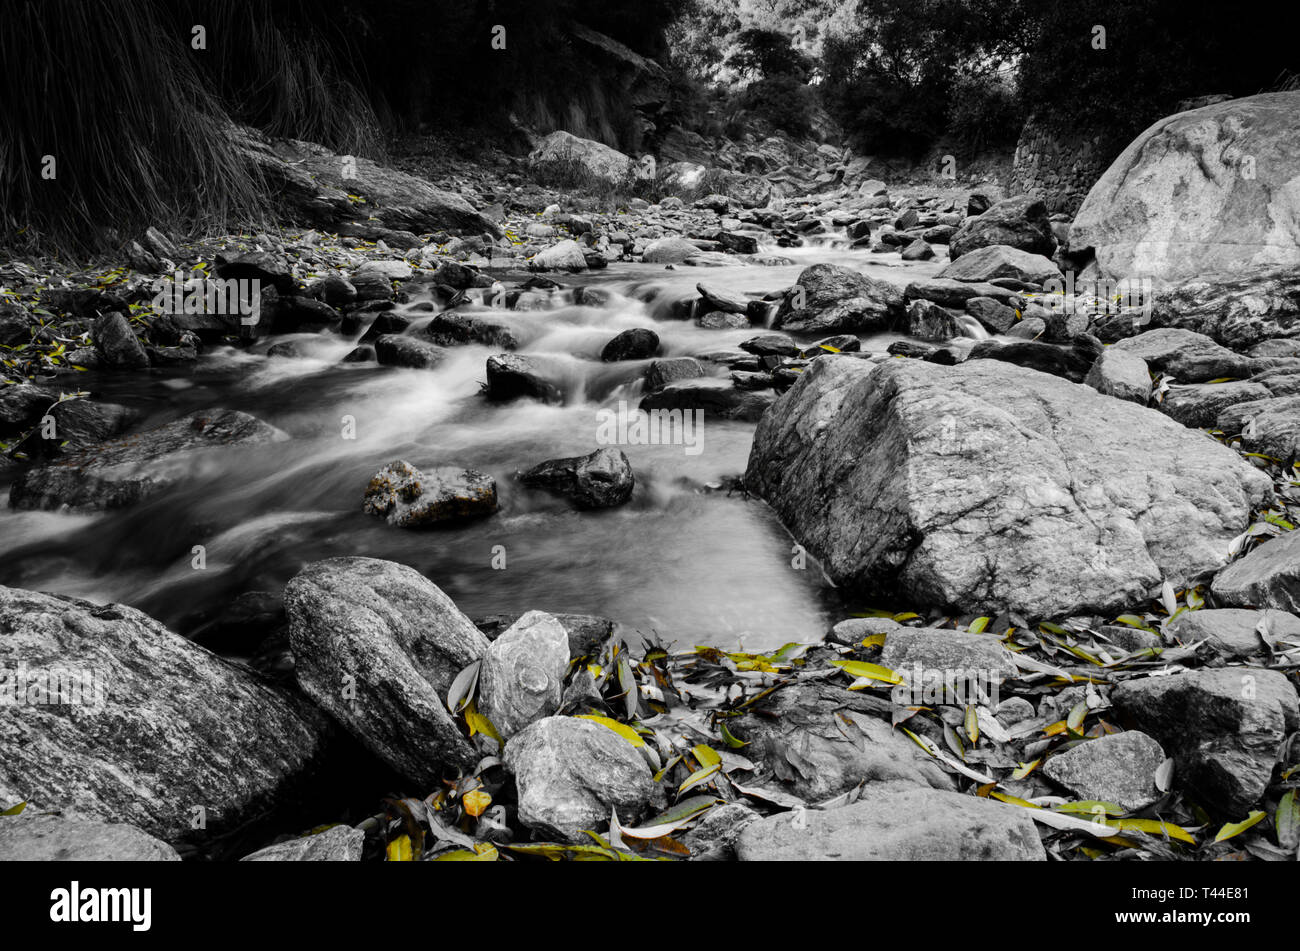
[336, 844]
[918, 250]
[410, 498]
[36, 838]
[1270, 426]
[717, 298]
[403, 350]
[1223, 727]
[81, 423]
[716, 399]
[22, 405]
[177, 728]
[771, 345]
[669, 251]
[852, 632]
[456, 327]
[933, 649]
[1268, 577]
[827, 298]
[1122, 375]
[571, 775]
[1175, 203]
[797, 740]
[721, 320]
[897, 823]
[1072, 363]
[116, 343]
[662, 372]
[596, 159]
[713, 837]
[587, 633]
[522, 677]
[638, 343]
[1199, 404]
[1079, 502]
[1187, 356]
[602, 479]
[563, 256]
[996, 316]
[1020, 222]
[953, 293]
[121, 472]
[1119, 768]
[387, 636]
[512, 375]
[1000, 260]
[1238, 309]
[928, 321]
[1234, 633]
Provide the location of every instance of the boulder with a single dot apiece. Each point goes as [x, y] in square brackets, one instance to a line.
[1270, 426]
[1078, 502]
[564, 256]
[918, 250]
[456, 327]
[1019, 222]
[602, 479]
[336, 844]
[409, 498]
[1185, 355]
[1119, 768]
[715, 298]
[1224, 729]
[669, 251]
[377, 645]
[1268, 577]
[22, 405]
[828, 298]
[1072, 363]
[1199, 404]
[928, 321]
[510, 376]
[116, 344]
[595, 159]
[1178, 202]
[29, 837]
[852, 632]
[995, 316]
[717, 399]
[123, 471]
[144, 726]
[1000, 260]
[897, 823]
[571, 774]
[403, 350]
[953, 293]
[587, 633]
[522, 677]
[1235, 633]
[635, 344]
[662, 372]
[1238, 309]
[1122, 375]
[771, 345]
[932, 649]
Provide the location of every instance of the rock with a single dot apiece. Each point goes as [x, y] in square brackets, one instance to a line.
[1000, 260]
[1119, 768]
[39, 838]
[571, 775]
[1269, 426]
[929, 321]
[597, 160]
[409, 498]
[953, 293]
[669, 251]
[80, 423]
[22, 405]
[662, 372]
[337, 290]
[565, 256]
[1072, 363]
[771, 345]
[522, 677]
[721, 320]
[587, 633]
[1082, 502]
[390, 270]
[15, 324]
[451, 328]
[1121, 375]
[602, 479]
[718, 299]
[403, 350]
[932, 649]
[635, 344]
[152, 725]
[1268, 577]
[372, 287]
[1199, 404]
[1238, 309]
[1028, 328]
[852, 632]
[897, 823]
[713, 837]
[828, 298]
[797, 741]
[1187, 356]
[510, 376]
[377, 646]
[918, 250]
[1223, 728]
[1019, 222]
[336, 844]
[996, 317]
[265, 267]
[1234, 633]
[116, 344]
[121, 472]
[1175, 203]
[456, 275]
[715, 398]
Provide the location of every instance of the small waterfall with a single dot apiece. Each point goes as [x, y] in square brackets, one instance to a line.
[970, 327]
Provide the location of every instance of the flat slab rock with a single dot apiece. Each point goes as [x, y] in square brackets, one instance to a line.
[897, 823]
[1235, 633]
[123, 471]
[1268, 577]
[1119, 768]
[991, 487]
[377, 645]
[45, 838]
[174, 728]
[335, 844]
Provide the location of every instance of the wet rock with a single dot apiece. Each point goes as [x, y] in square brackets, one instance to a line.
[451, 328]
[409, 498]
[510, 376]
[1223, 728]
[377, 646]
[571, 775]
[721, 320]
[123, 471]
[564, 256]
[1235, 633]
[335, 844]
[80, 423]
[771, 345]
[116, 344]
[296, 314]
[1000, 260]
[1028, 328]
[1019, 222]
[716, 298]
[151, 727]
[840, 343]
[1082, 502]
[29, 837]
[717, 399]
[929, 321]
[828, 298]
[1268, 577]
[372, 286]
[522, 677]
[22, 405]
[662, 372]
[337, 290]
[897, 823]
[1119, 768]
[1121, 375]
[402, 350]
[996, 317]
[602, 479]
[1072, 363]
[918, 250]
[266, 267]
[951, 293]
[635, 344]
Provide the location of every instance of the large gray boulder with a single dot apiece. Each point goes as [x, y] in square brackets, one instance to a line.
[158, 733]
[1239, 309]
[1213, 189]
[30, 837]
[1020, 222]
[594, 158]
[827, 298]
[377, 645]
[990, 487]
[122, 471]
[897, 823]
[1001, 260]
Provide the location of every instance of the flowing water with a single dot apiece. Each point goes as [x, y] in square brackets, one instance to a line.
[680, 561]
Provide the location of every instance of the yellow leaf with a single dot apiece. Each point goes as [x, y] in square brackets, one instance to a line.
[873, 640]
[1024, 769]
[860, 669]
[476, 801]
[706, 755]
[622, 729]
[978, 625]
[483, 852]
[15, 810]
[699, 777]
[1152, 827]
[399, 850]
[1232, 828]
[481, 724]
[1077, 715]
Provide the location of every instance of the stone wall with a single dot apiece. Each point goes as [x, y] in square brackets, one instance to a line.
[1059, 161]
